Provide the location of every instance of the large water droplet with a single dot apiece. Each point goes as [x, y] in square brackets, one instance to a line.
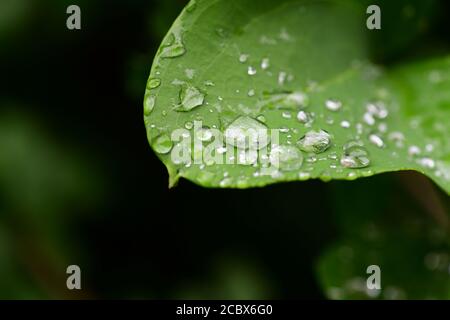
[246, 132]
[162, 144]
[315, 141]
[355, 155]
[190, 98]
[174, 47]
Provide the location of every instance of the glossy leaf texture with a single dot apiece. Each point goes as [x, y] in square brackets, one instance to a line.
[301, 69]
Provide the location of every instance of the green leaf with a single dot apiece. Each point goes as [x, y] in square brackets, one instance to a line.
[295, 68]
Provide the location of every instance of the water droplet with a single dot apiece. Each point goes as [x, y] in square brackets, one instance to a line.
[302, 176]
[282, 78]
[251, 71]
[162, 144]
[413, 150]
[397, 137]
[251, 93]
[204, 134]
[315, 141]
[246, 132]
[153, 83]
[286, 115]
[209, 83]
[333, 105]
[427, 163]
[174, 48]
[261, 118]
[149, 104]
[345, 124]
[376, 140]
[369, 119]
[304, 117]
[189, 125]
[287, 158]
[190, 98]
[377, 109]
[243, 58]
[265, 63]
[355, 155]
[189, 73]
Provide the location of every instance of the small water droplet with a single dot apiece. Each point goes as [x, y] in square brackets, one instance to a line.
[315, 141]
[251, 92]
[265, 63]
[243, 58]
[162, 144]
[261, 118]
[414, 150]
[427, 163]
[345, 124]
[304, 117]
[376, 140]
[251, 71]
[204, 134]
[149, 104]
[282, 78]
[209, 83]
[369, 119]
[153, 83]
[189, 73]
[189, 125]
[333, 105]
[286, 115]
[377, 109]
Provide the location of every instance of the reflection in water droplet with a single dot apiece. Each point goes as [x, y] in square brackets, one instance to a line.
[162, 144]
[315, 141]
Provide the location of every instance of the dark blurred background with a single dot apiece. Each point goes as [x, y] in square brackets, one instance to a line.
[80, 185]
